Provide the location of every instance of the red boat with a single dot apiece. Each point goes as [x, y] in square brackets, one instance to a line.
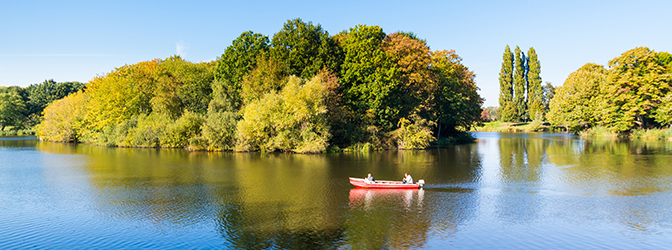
[363, 183]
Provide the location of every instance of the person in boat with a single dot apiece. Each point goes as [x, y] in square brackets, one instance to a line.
[370, 178]
[408, 179]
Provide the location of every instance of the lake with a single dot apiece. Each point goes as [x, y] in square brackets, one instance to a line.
[505, 191]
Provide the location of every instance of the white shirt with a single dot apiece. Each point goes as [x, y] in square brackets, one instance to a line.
[409, 179]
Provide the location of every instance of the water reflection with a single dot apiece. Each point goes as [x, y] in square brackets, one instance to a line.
[254, 200]
[362, 197]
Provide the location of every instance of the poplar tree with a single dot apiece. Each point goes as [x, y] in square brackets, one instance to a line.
[519, 85]
[535, 92]
[506, 106]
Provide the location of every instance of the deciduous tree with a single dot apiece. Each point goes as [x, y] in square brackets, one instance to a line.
[576, 103]
[238, 60]
[303, 49]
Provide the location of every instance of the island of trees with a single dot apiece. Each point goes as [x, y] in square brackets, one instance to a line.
[302, 90]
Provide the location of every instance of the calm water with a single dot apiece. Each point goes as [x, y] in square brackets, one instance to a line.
[507, 191]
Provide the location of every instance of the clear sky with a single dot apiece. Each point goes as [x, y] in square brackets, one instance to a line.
[78, 40]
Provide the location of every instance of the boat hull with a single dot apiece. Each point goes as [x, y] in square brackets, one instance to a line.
[362, 183]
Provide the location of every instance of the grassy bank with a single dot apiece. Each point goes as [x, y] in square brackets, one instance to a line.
[514, 127]
[652, 134]
[18, 132]
[599, 131]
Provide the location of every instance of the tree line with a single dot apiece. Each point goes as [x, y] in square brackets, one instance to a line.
[21, 108]
[633, 92]
[522, 96]
[302, 90]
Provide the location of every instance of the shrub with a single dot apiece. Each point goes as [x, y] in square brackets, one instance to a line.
[416, 135]
[292, 120]
[178, 133]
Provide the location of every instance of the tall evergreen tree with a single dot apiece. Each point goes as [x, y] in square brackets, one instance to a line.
[519, 85]
[535, 92]
[506, 110]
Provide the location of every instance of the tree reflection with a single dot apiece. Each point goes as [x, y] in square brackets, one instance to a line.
[261, 200]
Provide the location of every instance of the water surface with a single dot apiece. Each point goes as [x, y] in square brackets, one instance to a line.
[506, 191]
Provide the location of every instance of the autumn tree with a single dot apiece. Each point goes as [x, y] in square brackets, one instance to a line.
[293, 119]
[458, 102]
[637, 83]
[122, 93]
[416, 82]
[64, 119]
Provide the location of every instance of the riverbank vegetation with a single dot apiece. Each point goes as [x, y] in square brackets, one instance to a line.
[301, 91]
[631, 97]
[515, 127]
[21, 108]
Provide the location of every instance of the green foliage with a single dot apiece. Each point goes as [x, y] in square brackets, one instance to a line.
[194, 83]
[265, 78]
[367, 76]
[238, 60]
[549, 93]
[292, 120]
[219, 130]
[598, 131]
[577, 103]
[652, 134]
[12, 109]
[416, 135]
[179, 133]
[635, 92]
[506, 84]
[509, 113]
[519, 84]
[256, 96]
[535, 93]
[41, 95]
[637, 83]
[665, 58]
[303, 49]
[458, 102]
[663, 114]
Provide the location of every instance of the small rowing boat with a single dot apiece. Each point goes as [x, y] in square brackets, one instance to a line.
[363, 183]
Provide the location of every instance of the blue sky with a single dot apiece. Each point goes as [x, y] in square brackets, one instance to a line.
[78, 40]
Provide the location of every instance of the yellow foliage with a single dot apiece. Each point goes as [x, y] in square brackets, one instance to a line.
[64, 119]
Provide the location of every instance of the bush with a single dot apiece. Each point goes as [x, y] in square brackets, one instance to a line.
[292, 120]
[416, 135]
[598, 131]
[178, 133]
[652, 134]
[219, 130]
